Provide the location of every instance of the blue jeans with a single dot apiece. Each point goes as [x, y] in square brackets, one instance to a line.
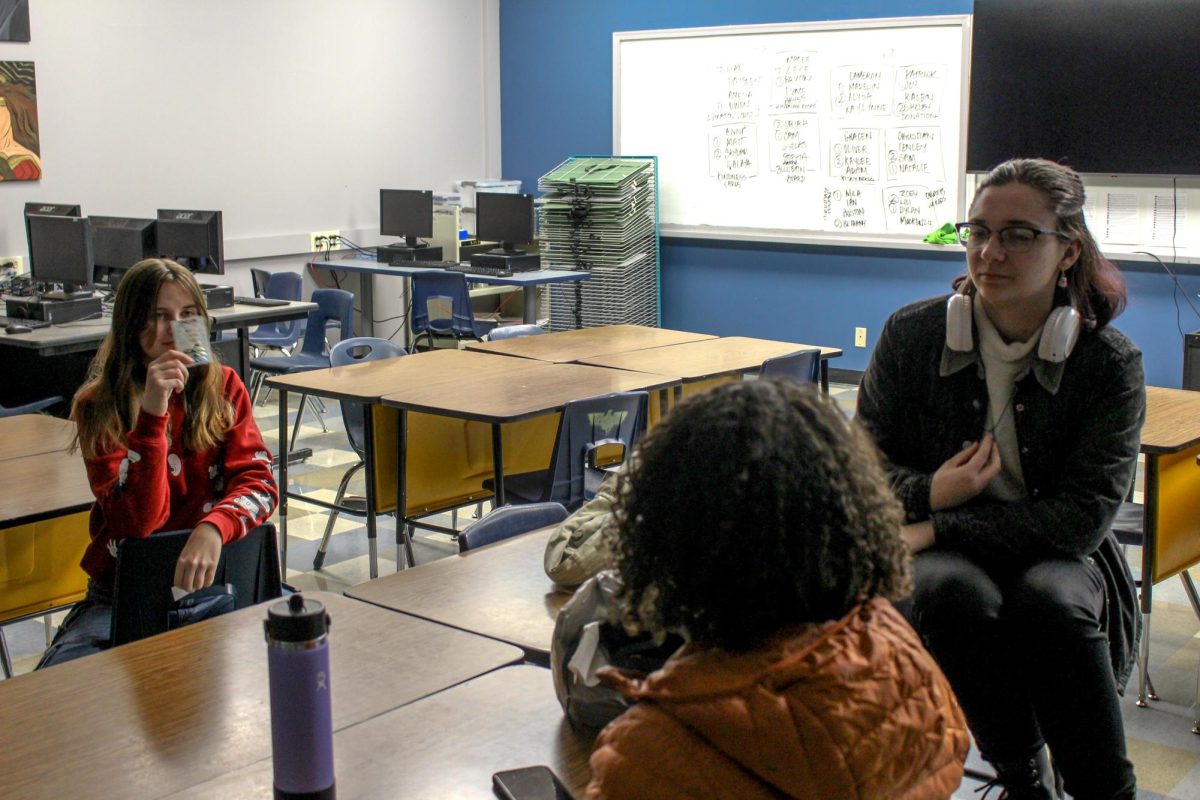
[86, 630]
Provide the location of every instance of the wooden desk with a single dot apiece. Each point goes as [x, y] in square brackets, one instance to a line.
[500, 591]
[711, 358]
[445, 745]
[368, 383]
[526, 389]
[42, 486]
[172, 711]
[1171, 511]
[33, 434]
[562, 347]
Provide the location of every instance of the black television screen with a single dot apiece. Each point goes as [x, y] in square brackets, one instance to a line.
[62, 251]
[1106, 86]
[407, 213]
[120, 242]
[504, 218]
[193, 238]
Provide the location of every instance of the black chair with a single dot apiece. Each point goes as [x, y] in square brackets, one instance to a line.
[595, 435]
[441, 306]
[802, 365]
[146, 570]
[259, 279]
[509, 521]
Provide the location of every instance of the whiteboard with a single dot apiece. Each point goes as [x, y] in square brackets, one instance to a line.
[846, 132]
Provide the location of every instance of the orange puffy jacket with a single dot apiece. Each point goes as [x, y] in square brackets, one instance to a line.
[853, 709]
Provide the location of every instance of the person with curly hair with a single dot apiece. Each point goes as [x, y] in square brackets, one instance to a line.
[756, 522]
[1009, 416]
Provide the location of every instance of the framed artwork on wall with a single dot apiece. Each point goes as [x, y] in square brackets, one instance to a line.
[20, 148]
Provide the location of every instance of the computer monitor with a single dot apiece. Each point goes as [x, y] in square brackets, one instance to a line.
[193, 238]
[120, 242]
[504, 218]
[407, 213]
[48, 210]
[61, 249]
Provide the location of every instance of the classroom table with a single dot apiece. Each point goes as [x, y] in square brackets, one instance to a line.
[524, 390]
[563, 347]
[172, 711]
[710, 358]
[527, 281]
[42, 486]
[500, 591]
[33, 434]
[1171, 508]
[367, 383]
[446, 745]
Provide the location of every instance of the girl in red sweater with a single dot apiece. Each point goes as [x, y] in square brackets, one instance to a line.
[168, 445]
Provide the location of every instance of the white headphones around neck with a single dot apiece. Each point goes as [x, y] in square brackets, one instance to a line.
[1059, 334]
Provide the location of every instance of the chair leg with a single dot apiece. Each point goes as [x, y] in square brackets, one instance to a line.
[49, 629]
[1190, 588]
[319, 559]
[299, 416]
[5, 657]
[1145, 688]
[404, 536]
[317, 408]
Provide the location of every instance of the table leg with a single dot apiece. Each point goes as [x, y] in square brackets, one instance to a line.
[369, 474]
[281, 461]
[529, 298]
[498, 462]
[404, 553]
[664, 406]
[366, 291]
[243, 335]
[1149, 548]
[825, 375]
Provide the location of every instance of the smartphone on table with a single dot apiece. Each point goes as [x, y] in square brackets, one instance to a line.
[529, 783]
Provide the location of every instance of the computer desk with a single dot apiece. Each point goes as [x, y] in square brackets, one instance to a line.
[445, 745]
[85, 335]
[500, 591]
[704, 361]
[173, 711]
[525, 280]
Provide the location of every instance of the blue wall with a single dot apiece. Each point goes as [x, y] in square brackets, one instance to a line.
[556, 101]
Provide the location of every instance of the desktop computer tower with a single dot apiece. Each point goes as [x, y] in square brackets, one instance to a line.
[1191, 361]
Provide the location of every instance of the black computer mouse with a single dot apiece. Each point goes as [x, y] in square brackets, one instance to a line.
[13, 328]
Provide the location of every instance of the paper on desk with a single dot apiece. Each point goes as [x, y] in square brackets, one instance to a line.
[587, 657]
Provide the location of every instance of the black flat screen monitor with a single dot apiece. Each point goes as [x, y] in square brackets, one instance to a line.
[47, 210]
[504, 218]
[193, 238]
[1106, 86]
[120, 242]
[62, 253]
[407, 213]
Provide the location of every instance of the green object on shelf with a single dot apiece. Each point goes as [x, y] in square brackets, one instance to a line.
[943, 235]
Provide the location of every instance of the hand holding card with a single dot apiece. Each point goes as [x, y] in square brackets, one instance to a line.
[191, 337]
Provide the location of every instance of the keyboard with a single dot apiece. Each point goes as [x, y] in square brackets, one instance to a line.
[454, 266]
[28, 323]
[263, 302]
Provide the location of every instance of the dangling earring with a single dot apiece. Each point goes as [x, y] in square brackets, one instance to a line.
[1062, 279]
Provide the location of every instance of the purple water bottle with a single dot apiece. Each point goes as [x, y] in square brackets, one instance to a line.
[301, 714]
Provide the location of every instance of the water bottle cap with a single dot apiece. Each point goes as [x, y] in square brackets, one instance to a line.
[297, 619]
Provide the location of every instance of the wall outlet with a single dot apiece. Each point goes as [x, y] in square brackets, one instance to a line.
[15, 263]
[860, 337]
[322, 240]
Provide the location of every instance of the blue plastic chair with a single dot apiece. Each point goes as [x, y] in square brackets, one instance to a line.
[280, 335]
[509, 521]
[336, 304]
[30, 408]
[442, 307]
[355, 351]
[514, 332]
[590, 430]
[802, 365]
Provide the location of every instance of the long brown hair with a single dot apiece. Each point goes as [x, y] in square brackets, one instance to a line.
[106, 406]
[1095, 287]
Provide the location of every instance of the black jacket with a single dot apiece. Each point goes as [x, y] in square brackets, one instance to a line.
[1078, 426]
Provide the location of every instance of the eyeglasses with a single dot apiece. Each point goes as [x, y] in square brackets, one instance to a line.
[1014, 239]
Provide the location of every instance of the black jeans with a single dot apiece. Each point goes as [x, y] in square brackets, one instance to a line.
[1024, 651]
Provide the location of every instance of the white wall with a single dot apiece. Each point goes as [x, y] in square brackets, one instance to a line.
[288, 115]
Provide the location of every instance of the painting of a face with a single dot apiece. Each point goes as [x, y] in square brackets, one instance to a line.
[20, 144]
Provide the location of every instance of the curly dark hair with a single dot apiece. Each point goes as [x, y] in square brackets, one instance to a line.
[750, 508]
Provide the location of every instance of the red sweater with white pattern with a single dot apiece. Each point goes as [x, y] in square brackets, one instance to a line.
[153, 484]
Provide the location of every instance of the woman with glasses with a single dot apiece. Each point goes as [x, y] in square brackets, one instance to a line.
[1009, 416]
